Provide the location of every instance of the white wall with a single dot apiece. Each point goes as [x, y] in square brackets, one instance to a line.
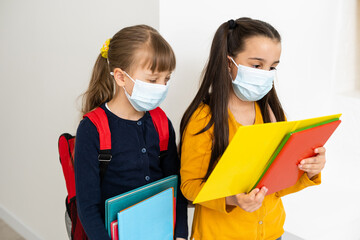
[48, 48]
[47, 51]
[317, 76]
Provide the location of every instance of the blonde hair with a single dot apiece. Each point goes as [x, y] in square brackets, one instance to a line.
[122, 53]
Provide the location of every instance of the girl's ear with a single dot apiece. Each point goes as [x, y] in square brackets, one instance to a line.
[229, 63]
[119, 77]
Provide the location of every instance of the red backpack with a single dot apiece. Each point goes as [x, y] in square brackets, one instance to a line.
[66, 145]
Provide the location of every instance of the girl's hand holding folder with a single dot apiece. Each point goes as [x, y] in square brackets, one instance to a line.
[248, 202]
[313, 166]
[252, 201]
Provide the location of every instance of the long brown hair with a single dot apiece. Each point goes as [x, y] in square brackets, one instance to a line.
[123, 53]
[229, 40]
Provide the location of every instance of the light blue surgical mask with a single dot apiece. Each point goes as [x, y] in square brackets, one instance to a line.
[146, 96]
[251, 84]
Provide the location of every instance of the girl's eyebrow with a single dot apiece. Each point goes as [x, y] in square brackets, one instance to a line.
[156, 74]
[151, 75]
[262, 60]
[259, 59]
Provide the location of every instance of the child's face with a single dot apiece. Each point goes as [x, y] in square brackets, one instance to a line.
[260, 52]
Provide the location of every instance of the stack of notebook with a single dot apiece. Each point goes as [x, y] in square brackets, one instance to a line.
[144, 213]
[267, 155]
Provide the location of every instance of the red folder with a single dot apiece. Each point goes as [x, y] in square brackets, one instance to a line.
[282, 170]
[114, 230]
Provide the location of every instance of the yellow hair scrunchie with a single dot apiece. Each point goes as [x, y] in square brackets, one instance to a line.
[105, 48]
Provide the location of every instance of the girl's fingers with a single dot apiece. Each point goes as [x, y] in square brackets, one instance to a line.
[320, 159]
[253, 193]
[308, 161]
[312, 167]
[316, 168]
[261, 195]
[320, 150]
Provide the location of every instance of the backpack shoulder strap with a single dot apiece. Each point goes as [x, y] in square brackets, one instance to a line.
[161, 124]
[99, 119]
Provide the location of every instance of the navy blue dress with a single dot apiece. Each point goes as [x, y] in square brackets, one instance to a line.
[135, 162]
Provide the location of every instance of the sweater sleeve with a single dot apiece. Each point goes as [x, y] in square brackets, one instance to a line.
[195, 158]
[87, 179]
[170, 165]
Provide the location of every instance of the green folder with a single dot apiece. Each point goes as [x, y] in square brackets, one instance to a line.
[297, 145]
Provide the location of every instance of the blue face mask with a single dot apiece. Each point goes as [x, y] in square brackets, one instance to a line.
[146, 96]
[252, 84]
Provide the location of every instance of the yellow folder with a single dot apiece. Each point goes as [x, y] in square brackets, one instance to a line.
[246, 157]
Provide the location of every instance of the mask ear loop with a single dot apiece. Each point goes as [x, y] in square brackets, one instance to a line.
[235, 65]
[129, 76]
[112, 74]
[234, 61]
[124, 86]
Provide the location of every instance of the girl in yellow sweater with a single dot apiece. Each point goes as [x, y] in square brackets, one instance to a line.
[236, 90]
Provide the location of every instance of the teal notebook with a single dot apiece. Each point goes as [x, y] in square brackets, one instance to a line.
[116, 204]
[148, 220]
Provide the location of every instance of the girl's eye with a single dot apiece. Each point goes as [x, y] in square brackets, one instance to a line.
[272, 68]
[152, 80]
[256, 66]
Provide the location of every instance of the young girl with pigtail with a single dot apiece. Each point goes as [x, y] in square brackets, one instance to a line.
[236, 90]
[130, 78]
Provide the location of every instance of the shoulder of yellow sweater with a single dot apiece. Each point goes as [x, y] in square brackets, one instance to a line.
[202, 112]
[199, 119]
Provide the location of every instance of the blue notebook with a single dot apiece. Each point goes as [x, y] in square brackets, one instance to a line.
[116, 204]
[148, 220]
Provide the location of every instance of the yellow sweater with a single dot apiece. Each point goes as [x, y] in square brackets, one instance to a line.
[211, 220]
